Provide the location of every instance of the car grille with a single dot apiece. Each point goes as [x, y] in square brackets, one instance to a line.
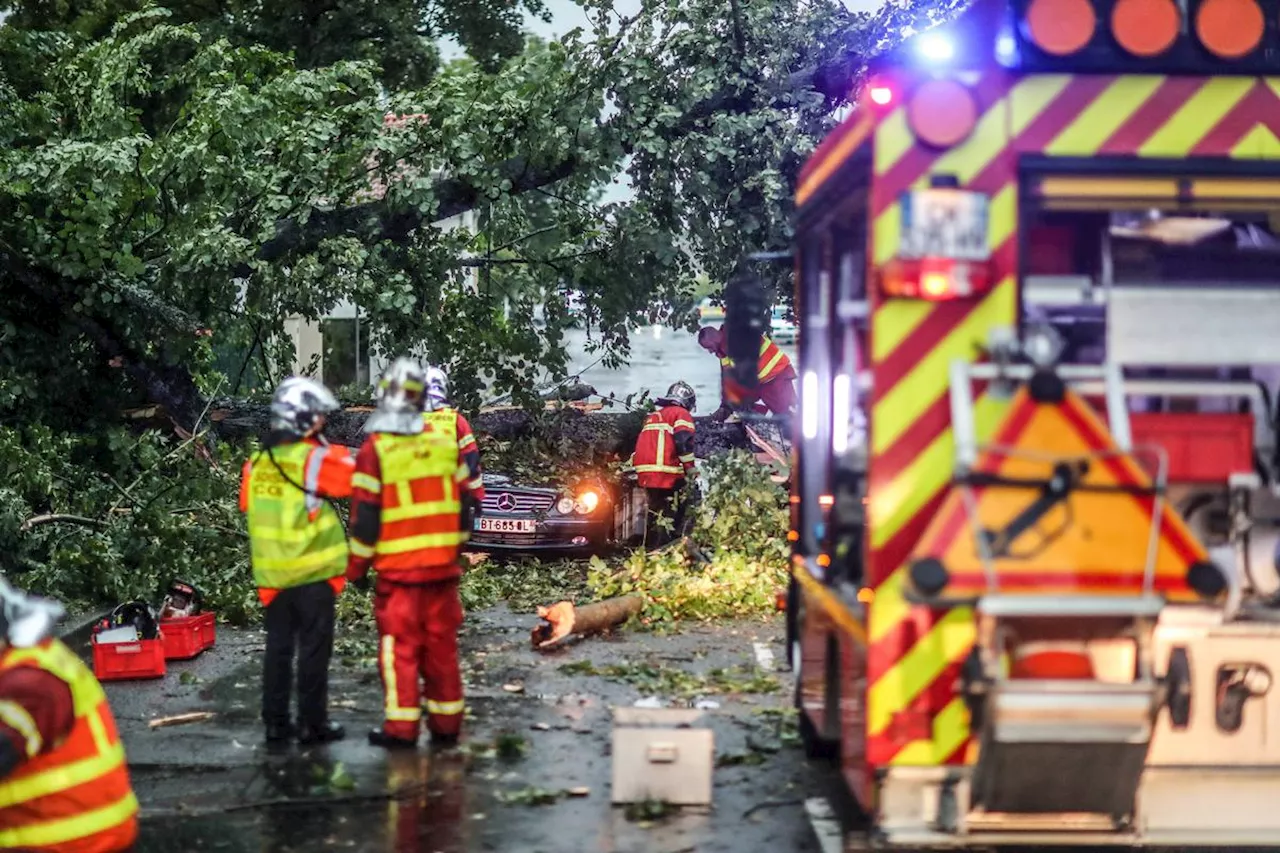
[515, 540]
[523, 502]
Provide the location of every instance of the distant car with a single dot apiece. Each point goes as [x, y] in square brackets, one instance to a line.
[782, 330]
[587, 518]
[709, 313]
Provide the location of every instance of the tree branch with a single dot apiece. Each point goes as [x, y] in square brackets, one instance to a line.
[386, 220]
[739, 33]
[551, 262]
[58, 518]
[382, 220]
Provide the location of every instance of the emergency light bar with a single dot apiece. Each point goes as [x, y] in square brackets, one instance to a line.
[1193, 37]
[1147, 36]
[934, 279]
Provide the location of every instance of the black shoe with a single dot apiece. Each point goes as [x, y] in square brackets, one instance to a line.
[279, 733]
[378, 737]
[439, 741]
[327, 733]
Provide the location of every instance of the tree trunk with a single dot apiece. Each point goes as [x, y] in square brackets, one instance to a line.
[563, 619]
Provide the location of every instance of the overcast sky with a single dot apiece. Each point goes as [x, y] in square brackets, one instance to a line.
[566, 14]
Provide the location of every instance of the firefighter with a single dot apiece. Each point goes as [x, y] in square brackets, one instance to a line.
[299, 550]
[664, 462]
[64, 783]
[776, 391]
[405, 525]
[439, 405]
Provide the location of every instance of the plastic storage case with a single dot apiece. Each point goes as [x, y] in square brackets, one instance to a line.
[130, 660]
[187, 636]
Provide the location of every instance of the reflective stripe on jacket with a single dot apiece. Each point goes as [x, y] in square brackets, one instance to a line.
[468, 452]
[772, 364]
[75, 796]
[664, 450]
[294, 539]
[420, 504]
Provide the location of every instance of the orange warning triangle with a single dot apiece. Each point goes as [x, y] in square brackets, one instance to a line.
[1089, 538]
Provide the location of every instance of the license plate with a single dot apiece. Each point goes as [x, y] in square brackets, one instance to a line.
[944, 223]
[505, 525]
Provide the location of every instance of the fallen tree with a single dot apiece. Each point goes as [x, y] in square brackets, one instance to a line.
[591, 433]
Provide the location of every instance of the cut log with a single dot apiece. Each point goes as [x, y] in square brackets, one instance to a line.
[562, 619]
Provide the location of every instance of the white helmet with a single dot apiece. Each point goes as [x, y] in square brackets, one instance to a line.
[401, 395]
[298, 404]
[680, 393]
[26, 620]
[437, 389]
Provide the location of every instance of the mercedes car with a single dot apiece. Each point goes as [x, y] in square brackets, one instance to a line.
[587, 517]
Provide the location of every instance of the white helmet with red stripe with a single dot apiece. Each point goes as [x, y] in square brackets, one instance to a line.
[299, 406]
[681, 394]
[401, 395]
[26, 620]
[437, 389]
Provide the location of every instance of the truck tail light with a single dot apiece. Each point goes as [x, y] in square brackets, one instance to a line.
[934, 279]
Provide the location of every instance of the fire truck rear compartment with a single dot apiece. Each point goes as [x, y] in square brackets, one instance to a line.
[1182, 749]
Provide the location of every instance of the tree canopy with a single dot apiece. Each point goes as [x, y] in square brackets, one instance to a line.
[177, 181]
[171, 170]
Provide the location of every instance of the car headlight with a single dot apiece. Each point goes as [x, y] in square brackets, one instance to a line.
[564, 506]
[587, 503]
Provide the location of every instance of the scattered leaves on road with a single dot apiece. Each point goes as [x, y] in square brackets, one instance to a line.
[735, 759]
[523, 584]
[647, 811]
[531, 796]
[511, 746]
[741, 525]
[656, 679]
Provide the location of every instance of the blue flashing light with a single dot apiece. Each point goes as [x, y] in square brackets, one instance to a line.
[1006, 48]
[936, 47]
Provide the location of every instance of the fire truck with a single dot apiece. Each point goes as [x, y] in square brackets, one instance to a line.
[1035, 601]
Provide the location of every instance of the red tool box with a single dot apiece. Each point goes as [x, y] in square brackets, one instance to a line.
[129, 660]
[187, 636]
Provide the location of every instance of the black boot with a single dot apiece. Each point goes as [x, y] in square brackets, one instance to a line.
[378, 737]
[326, 733]
[279, 733]
[439, 741]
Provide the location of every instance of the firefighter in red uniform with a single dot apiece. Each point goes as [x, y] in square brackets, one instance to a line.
[406, 525]
[664, 462]
[64, 784]
[776, 391]
[468, 450]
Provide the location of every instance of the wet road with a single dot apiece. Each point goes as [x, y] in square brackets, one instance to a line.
[659, 357]
[212, 785]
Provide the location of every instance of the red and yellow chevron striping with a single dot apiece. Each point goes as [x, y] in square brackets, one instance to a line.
[913, 715]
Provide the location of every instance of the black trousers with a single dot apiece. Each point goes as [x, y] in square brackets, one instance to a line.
[298, 619]
[670, 504]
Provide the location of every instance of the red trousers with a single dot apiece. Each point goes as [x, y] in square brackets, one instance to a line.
[418, 656]
[778, 396]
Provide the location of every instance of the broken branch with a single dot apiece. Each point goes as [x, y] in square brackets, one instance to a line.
[58, 518]
[181, 719]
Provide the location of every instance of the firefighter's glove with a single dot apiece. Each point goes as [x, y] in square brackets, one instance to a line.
[467, 517]
[721, 414]
[362, 583]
